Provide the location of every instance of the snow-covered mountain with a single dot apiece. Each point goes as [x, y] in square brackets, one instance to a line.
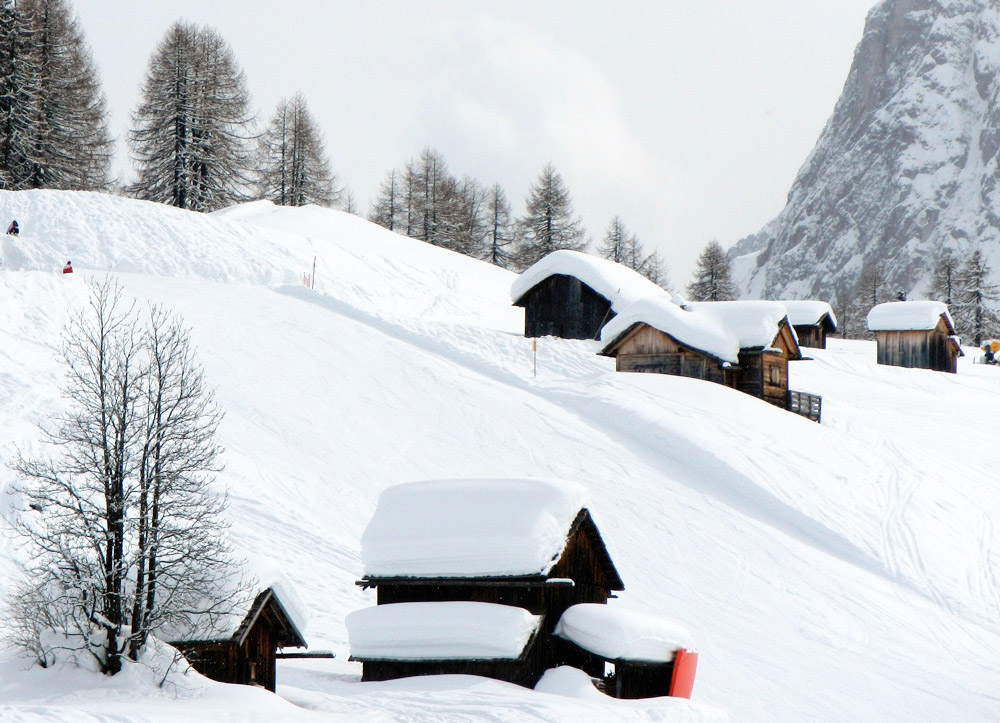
[907, 164]
[841, 571]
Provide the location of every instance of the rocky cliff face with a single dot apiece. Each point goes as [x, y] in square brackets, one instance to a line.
[906, 165]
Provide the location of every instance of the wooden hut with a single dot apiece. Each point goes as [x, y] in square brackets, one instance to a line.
[401, 640]
[572, 295]
[812, 320]
[529, 544]
[915, 334]
[244, 652]
[745, 345]
[632, 655]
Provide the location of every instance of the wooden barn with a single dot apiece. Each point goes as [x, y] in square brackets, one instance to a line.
[572, 295]
[745, 345]
[812, 320]
[245, 653]
[632, 655]
[915, 334]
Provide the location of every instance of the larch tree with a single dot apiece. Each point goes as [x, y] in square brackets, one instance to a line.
[294, 170]
[191, 133]
[500, 232]
[53, 117]
[944, 278]
[389, 208]
[974, 313]
[623, 247]
[548, 223]
[713, 276]
[125, 536]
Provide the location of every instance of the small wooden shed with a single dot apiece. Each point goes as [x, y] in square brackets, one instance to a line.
[632, 655]
[247, 654]
[812, 321]
[745, 345]
[572, 295]
[915, 334]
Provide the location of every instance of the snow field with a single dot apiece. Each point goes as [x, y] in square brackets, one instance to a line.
[843, 571]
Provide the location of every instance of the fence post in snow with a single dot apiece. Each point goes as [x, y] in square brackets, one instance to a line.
[313, 277]
[534, 357]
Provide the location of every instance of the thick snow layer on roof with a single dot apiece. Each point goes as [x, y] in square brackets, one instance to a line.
[696, 331]
[618, 634]
[908, 316]
[752, 323]
[440, 631]
[263, 575]
[718, 328]
[470, 527]
[807, 312]
[617, 283]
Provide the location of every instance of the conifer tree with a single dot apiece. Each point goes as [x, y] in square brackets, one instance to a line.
[548, 223]
[713, 276]
[53, 119]
[974, 314]
[944, 279]
[390, 208]
[294, 170]
[500, 235]
[191, 130]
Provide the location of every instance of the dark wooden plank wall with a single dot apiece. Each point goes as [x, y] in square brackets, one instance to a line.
[563, 306]
[649, 350]
[811, 336]
[918, 349]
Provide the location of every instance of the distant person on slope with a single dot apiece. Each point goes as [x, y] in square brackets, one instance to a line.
[68, 268]
[13, 229]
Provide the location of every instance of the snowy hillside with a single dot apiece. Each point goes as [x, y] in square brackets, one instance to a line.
[906, 166]
[837, 572]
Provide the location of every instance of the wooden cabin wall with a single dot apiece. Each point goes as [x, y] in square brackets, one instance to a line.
[526, 671]
[650, 350]
[563, 306]
[917, 350]
[642, 680]
[811, 336]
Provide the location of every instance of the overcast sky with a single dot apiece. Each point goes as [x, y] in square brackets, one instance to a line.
[688, 118]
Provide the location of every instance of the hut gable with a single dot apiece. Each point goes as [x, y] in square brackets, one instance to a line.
[244, 652]
[812, 320]
[572, 295]
[915, 334]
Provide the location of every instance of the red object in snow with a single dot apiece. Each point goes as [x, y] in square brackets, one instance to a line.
[682, 680]
[68, 268]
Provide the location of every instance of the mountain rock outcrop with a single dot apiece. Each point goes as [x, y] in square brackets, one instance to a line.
[906, 166]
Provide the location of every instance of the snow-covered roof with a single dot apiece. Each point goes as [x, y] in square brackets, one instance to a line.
[470, 527]
[617, 283]
[908, 316]
[228, 620]
[717, 328]
[617, 634]
[440, 631]
[808, 312]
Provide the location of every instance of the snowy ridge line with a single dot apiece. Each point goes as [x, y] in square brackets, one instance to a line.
[745, 495]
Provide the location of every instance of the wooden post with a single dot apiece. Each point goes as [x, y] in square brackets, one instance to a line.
[312, 279]
[534, 357]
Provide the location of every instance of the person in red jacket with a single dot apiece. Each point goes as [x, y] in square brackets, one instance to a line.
[68, 268]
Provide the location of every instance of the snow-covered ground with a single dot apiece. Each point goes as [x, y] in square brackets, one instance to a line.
[843, 571]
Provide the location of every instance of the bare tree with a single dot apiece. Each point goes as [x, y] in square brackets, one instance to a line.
[124, 533]
[623, 247]
[976, 298]
[944, 279]
[500, 234]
